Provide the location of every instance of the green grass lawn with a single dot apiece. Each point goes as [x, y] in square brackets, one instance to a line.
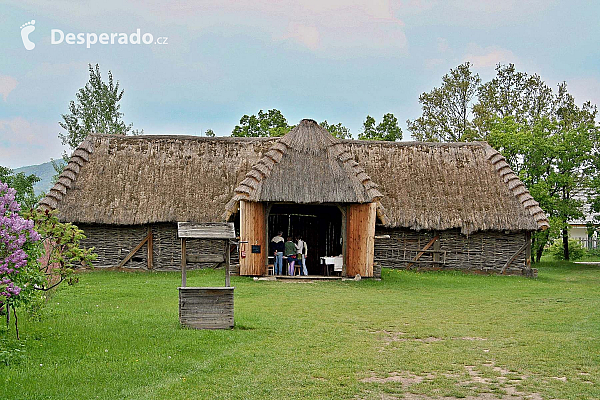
[116, 335]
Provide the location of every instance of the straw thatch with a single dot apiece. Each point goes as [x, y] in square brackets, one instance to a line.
[439, 186]
[129, 180]
[308, 165]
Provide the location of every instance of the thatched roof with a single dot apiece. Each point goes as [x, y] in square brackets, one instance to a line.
[146, 179]
[324, 172]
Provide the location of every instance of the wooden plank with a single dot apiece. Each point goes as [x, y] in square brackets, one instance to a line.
[436, 248]
[514, 256]
[206, 230]
[227, 263]
[206, 308]
[360, 235]
[252, 232]
[344, 237]
[427, 246]
[150, 248]
[205, 258]
[132, 252]
[528, 250]
[183, 264]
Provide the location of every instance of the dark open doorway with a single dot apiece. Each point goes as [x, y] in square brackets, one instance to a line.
[319, 225]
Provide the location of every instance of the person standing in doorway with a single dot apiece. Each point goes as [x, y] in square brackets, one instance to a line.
[290, 253]
[302, 250]
[278, 245]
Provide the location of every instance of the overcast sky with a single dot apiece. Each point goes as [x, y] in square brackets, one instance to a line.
[337, 60]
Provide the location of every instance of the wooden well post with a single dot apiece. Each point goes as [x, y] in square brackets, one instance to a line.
[206, 307]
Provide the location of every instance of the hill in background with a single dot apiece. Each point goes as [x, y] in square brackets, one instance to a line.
[44, 171]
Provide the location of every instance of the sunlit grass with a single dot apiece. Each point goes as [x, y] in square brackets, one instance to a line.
[116, 335]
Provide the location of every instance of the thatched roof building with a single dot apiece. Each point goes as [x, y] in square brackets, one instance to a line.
[128, 180]
[136, 180]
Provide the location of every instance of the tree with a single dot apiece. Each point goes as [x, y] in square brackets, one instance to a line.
[387, 129]
[265, 124]
[23, 184]
[525, 98]
[556, 158]
[550, 142]
[447, 109]
[95, 110]
[16, 236]
[62, 252]
[338, 130]
[209, 133]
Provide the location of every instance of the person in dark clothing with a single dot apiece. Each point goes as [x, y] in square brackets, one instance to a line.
[290, 253]
[277, 246]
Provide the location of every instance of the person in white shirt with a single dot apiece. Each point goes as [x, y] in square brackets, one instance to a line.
[302, 249]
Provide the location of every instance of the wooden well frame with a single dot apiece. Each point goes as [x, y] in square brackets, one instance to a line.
[206, 307]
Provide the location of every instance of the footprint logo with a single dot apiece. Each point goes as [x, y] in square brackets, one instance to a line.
[26, 29]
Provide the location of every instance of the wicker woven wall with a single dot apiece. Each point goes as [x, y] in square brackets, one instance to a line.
[113, 243]
[481, 252]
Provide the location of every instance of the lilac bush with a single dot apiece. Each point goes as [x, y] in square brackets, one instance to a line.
[16, 235]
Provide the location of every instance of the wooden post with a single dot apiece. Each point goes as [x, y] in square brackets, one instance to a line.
[227, 261]
[183, 263]
[343, 233]
[436, 248]
[150, 250]
[528, 250]
[267, 237]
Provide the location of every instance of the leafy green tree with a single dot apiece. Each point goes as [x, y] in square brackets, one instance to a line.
[23, 184]
[338, 130]
[387, 129]
[95, 110]
[556, 158]
[446, 111]
[209, 133]
[549, 141]
[265, 124]
[511, 93]
[63, 250]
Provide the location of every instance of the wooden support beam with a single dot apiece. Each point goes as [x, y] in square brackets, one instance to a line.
[227, 262]
[528, 250]
[427, 246]
[436, 249]
[132, 252]
[514, 256]
[183, 264]
[205, 258]
[344, 238]
[150, 248]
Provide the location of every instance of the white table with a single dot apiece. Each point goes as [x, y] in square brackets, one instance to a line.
[337, 263]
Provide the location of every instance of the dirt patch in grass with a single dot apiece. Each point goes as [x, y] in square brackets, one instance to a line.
[502, 386]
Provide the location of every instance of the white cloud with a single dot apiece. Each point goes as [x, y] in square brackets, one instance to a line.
[489, 56]
[24, 143]
[7, 85]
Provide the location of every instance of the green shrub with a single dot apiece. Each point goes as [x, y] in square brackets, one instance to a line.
[593, 252]
[576, 250]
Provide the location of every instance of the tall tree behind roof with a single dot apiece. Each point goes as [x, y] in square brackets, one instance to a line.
[387, 129]
[265, 124]
[95, 110]
[447, 110]
[338, 130]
